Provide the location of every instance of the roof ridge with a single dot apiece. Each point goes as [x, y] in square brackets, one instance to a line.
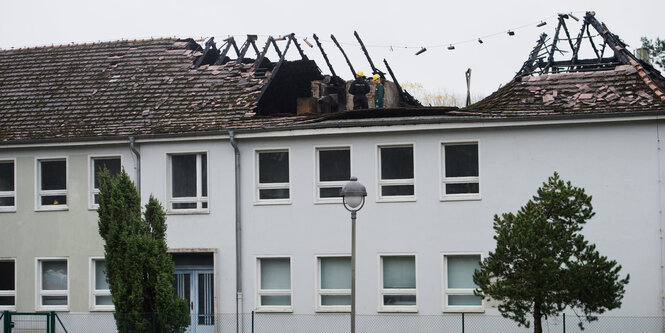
[73, 44]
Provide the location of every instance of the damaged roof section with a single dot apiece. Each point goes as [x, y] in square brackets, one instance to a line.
[125, 88]
[613, 80]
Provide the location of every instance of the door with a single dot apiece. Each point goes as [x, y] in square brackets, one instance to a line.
[196, 286]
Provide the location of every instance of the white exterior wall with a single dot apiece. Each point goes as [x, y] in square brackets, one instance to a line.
[616, 163]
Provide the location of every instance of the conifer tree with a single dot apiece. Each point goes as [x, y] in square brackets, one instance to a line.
[542, 264]
[139, 270]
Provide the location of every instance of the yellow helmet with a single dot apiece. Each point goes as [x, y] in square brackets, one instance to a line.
[376, 76]
[360, 73]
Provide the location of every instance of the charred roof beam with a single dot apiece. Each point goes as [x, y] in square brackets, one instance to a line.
[369, 59]
[348, 62]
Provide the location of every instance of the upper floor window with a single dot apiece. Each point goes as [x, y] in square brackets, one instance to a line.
[396, 172]
[334, 288]
[398, 283]
[7, 284]
[460, 171]
[7, 186]
[100, 292]
[52, 184]
[333, 171]
[97, 165]
[53, 284]
[274, 292]
[273, 176]
[188, 182]
[458, 284]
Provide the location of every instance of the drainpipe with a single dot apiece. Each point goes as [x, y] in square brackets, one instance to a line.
[238, 234]
[138, 163]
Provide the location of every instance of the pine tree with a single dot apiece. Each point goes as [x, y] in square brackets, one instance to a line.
[138, 268]
[656, 50]
[543, 265]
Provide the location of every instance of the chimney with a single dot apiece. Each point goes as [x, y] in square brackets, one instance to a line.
[643, 54]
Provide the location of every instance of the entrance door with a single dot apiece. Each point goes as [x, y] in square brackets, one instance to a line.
[196, 286]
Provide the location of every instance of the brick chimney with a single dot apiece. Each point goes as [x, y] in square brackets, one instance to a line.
[643, 54]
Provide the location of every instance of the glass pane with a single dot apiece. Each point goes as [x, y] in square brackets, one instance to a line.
[112, 164]
[103, 300]
[183, 176]
[54, 300]
[278, 193]
[399, 299]
[275, 273]
[54, 275]
[6, 201]
[399, 272]
[334, 165]
[54, 175]
[335, 299]
[336, 273]
[464, 300]
[206, 308]
[460, 271]
[100, 275]
[274, 167]
[462, 188]
[7, 275]
[184, 205]
[6, 176]
[7, 301]
[461, 160]
[330, 192]
[276, 300]
[397, 163]
[204, 175]
[388, 190]
[182, 286]
[54, 200]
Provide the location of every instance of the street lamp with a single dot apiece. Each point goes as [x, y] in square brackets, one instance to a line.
[353, 197]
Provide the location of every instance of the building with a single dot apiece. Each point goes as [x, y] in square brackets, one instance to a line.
[251, 186]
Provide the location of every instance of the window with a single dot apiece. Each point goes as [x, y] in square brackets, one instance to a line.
[460, 171]
[100, 292]
[7, 284]
[52, 184]
[189, 182]
[333, 171]
[53, 284]
[273, 176]
[7, 187]
[398, 283]
[458, 284]
[98, 164]
[396, 177]
[334, 286]
[274, 292]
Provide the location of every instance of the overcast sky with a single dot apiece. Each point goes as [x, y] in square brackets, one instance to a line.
[394, 30]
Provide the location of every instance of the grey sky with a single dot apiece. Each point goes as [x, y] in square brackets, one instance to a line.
[400, 24]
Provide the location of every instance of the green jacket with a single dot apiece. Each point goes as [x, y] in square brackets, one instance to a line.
[378, 95]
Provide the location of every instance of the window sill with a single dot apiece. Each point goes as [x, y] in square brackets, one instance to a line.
[97, 309]
[319, 201]
[288, 309]
[52, 208]
[396, 199]
[53, 308]
[338, 309]
[461, 309]
[272, 202]
[188, 212]
[8, 209]
[396, 309]
[466, 197]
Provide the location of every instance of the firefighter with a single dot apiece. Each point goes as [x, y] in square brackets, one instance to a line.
[359, 88]
[378, 91]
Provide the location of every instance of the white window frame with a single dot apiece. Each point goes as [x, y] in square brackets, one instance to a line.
[457, 180]
[273, 292]
[271, 186]
[9, 194]
[38, 286]
[387, 182]
[11, 293]
[333, 292]
[409, 291]
[327, 184]
[38, 184]
[199, 199]
[457, 291]
[91, 177]
[94, 292]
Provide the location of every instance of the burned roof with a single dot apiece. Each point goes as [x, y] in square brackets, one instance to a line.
[128, 88]
[603, 84]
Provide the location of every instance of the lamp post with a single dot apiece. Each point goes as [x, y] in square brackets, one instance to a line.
[353, 196]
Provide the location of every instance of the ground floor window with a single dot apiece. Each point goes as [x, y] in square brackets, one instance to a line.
[398, 283]
[274, 289]
[7, 284]
[53, 284]
[458, 283]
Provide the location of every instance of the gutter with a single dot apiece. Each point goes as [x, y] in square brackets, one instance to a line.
[138, 163]
[238, 238]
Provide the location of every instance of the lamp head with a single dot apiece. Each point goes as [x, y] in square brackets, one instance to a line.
[353, 194]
